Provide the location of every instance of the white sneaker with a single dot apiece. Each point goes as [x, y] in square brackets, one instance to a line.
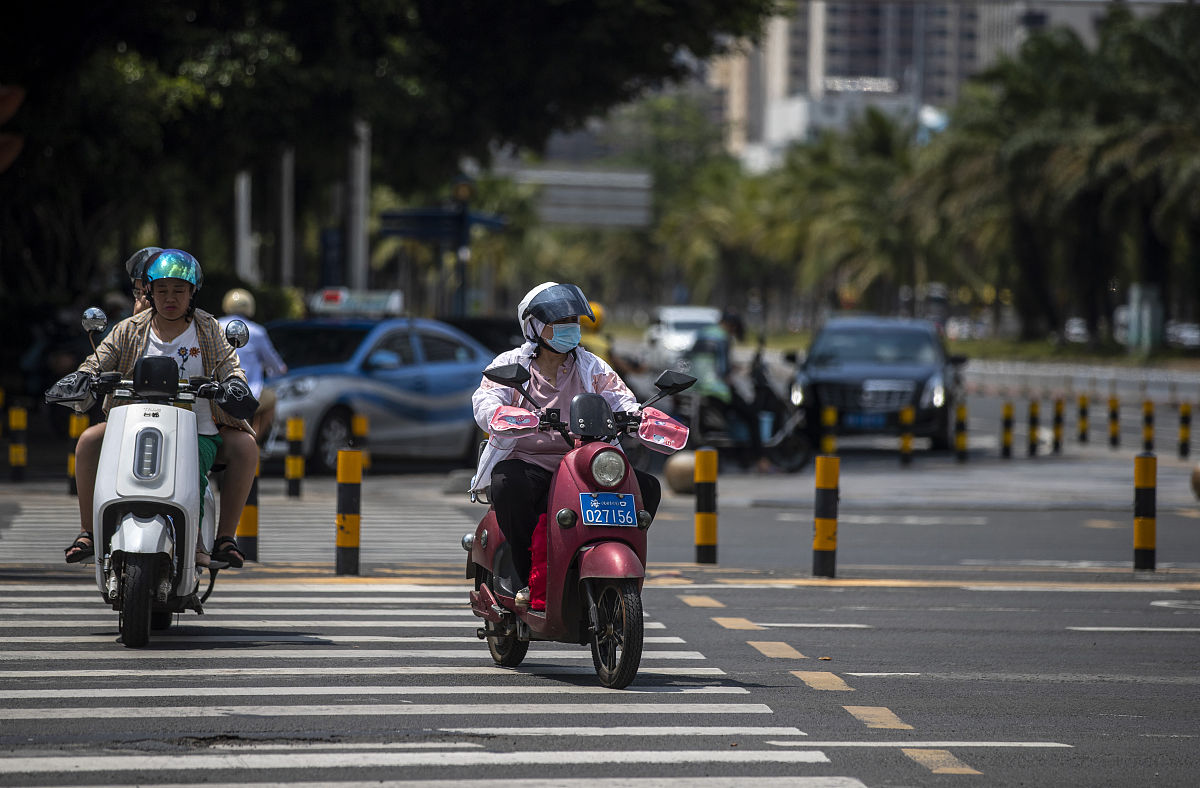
[522, 598]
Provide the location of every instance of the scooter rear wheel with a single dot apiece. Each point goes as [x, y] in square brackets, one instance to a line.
[137, 584]
[617, 642]
[507, 649]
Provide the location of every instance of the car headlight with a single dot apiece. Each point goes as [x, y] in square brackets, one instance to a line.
[608, 468]
[677, 342]
[294, 389]
[797, 393]
[934, 395]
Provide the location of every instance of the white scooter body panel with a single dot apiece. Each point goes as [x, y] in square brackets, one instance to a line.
[173, 480]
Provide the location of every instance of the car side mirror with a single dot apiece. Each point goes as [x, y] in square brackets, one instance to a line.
[957, 359]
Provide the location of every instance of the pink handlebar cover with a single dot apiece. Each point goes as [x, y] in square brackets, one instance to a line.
[511, 421]
[661, 432]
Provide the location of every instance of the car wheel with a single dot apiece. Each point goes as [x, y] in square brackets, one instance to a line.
[333, 435]
[470, 455]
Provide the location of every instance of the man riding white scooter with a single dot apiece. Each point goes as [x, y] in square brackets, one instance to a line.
[173, 327]
[519, 470]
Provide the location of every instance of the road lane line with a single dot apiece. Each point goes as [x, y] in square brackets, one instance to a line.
[632, 730]
[939, 761]
[573, 782]
[878, 717]
[526, 669]
[700, 601]
[775, 649]
[883, 674]
[380, 710]
[736, 623]
[357, 760]
[818, 626]
[299, 692]
[317, 651]
[1134, 629]
[823, 680]
[825, 745]
[271, 638]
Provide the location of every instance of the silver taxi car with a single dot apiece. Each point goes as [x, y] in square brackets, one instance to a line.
[412, 378]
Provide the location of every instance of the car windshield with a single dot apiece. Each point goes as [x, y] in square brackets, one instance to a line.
[310, 345]
[873, 346]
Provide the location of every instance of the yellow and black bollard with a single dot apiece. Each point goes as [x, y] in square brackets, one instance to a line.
[960, 432]
[360, 426]
[3, 419]
[18, 455]
[1147, 425]
[76, 424]
[1145, 472]
[1006, 431]
[1057, 444]
[247, 527]
[1034, 418]
[825, 518]
[705, 475]
[1083, 418]
[1114, 421]
[1185, 429]
[907, 416]
[293, 464]
[349, 509]
[828, 426]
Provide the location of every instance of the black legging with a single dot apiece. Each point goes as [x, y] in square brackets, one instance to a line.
[519, 492]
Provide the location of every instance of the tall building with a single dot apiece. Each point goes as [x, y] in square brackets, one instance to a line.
[821, 65]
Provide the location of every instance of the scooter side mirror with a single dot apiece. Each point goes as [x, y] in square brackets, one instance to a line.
[237, 334]
[94, 319]
[673, 382]
[514, 376]
[670, 382]
[511, 375]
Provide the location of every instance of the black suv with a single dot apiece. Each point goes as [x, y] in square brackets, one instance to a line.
[868, 368]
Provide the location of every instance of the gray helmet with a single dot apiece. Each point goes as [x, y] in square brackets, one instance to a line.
[549, 302]
[135, 266]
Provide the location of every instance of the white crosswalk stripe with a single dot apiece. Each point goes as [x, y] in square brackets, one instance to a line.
[422, 524]
[353, 657]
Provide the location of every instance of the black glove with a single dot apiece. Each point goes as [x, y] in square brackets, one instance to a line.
[72, 388]
[234, 397]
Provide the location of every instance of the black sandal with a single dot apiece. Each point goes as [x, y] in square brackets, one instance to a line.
[226, 550]
[84, 550]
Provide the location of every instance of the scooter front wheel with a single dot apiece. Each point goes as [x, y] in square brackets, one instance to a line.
[507, 649]
[137, 584]
[617, 639]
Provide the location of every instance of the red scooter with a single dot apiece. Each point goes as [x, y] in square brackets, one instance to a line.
[595, 532]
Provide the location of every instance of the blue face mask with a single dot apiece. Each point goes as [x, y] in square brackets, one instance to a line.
[566, 336]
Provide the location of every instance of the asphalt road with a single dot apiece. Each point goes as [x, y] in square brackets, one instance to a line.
[985, 628]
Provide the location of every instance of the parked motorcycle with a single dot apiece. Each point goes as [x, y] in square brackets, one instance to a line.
[146, 507]
[595, 533]
[785, 436]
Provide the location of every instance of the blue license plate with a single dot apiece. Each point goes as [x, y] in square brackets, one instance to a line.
[607, 508]
[865, 421]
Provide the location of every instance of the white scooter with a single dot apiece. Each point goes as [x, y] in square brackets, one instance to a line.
[146, 507]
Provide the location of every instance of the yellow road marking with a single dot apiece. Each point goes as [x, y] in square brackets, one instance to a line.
[737, 623]
[700, 601]
[775, 649]
[939, 761]
[878, 717]
[823, 680]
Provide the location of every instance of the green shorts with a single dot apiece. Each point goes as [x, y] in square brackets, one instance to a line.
[208, 445]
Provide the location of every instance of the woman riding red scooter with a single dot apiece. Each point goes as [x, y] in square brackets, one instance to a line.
[519, 469]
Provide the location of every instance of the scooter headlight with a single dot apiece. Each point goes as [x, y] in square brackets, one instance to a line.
[148, 458]
[608, 468]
